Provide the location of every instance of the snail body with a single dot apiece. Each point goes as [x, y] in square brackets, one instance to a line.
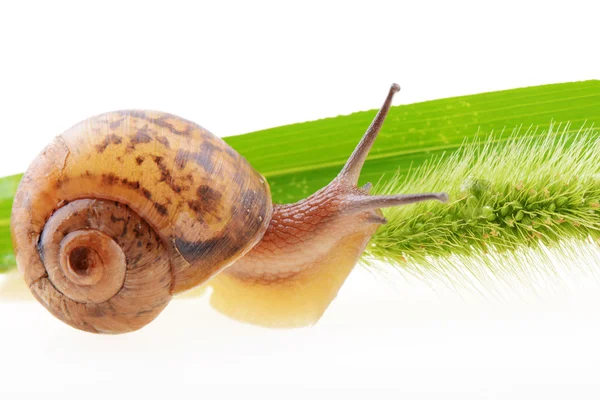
[127, 209]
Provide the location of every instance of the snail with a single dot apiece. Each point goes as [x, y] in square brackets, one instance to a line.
[127, 209]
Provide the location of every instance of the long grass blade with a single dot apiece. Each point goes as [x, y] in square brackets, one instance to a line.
[301, 158]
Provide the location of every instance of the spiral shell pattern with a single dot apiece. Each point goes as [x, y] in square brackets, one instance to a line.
[126, 209]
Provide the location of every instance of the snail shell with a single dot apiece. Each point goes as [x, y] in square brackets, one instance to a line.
[128, 208]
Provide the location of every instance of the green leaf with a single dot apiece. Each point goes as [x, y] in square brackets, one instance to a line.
[8, 187]
[301, 158]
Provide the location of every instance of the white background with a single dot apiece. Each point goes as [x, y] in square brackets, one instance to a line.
[235, 68]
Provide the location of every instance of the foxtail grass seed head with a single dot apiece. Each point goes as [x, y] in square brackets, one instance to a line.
[519, 205]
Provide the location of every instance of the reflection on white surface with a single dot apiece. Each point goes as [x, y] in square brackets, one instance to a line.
[375, 337]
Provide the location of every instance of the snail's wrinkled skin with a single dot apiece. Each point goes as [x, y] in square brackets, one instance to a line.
[282, 285]
[127, 209]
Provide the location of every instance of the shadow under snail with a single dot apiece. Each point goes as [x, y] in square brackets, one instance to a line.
[127, 209]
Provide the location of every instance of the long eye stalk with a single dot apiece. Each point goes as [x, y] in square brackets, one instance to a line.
[351, 172]
[364, 203]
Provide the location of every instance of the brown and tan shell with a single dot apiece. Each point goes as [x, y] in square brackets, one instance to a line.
[162, 203]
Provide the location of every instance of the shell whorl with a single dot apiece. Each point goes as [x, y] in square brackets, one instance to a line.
[128, 208]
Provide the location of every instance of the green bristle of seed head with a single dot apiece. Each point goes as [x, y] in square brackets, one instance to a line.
[520, 206]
